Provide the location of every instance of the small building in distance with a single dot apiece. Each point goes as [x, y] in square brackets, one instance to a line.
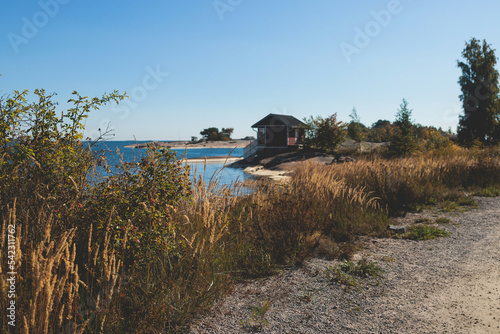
[276, 132]
[279, 131]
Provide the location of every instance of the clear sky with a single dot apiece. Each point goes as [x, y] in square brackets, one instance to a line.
[193, 64]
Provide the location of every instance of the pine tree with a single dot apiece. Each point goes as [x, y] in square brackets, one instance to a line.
[403, 141]
[479, 85]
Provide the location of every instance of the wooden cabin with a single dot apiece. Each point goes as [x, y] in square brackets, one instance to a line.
[279, 131]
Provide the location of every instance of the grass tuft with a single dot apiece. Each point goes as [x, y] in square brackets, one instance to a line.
[425, 232]
[491, 191]
[345, 272]
[442, 221]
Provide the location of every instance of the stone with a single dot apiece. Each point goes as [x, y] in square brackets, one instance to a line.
[397, 228]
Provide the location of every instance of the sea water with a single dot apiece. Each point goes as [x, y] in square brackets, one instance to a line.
[115, 151]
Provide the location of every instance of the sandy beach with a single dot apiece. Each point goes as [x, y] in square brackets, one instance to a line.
[220, 159]
[276, 175]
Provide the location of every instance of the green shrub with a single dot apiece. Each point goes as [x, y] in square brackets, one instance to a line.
[342, 273]
[491, 191]
[142, 197]
[364, 268]
[425, 232]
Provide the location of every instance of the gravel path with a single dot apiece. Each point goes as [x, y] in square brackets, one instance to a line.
[447, 285]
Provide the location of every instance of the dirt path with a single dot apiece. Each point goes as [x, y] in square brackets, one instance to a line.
[471, 302]
[447, 285]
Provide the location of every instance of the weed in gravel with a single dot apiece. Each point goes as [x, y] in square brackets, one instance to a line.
[335, 274]
[425, 220]
[258, 315]
[467, 201]
[461, 205]
[491, 191]
[364, 268]
[448, 206]
[355, 309]
[425, 232]
[442, 221]
[343, 272]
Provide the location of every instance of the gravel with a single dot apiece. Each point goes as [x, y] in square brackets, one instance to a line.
[446, 285]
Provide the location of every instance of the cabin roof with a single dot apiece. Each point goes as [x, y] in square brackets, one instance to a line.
[277, 119]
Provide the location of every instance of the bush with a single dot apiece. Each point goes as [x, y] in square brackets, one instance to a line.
[325, 133]
[141, 198]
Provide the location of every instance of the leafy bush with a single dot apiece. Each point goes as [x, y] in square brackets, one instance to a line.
[142, 197]
[44, 162]
[325, 133]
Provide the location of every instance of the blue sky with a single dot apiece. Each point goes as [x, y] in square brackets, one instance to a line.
[189, 65]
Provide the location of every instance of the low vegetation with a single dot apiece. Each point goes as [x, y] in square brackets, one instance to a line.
[345, 272]
[146, 247]
[425, 232]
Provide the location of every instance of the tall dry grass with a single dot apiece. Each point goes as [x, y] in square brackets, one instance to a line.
[50, 293]
[402, 184]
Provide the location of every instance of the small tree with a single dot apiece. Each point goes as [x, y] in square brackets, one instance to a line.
[381, 131]
[210, 133]
[355, 130]
[213, 134]
[325, 133]
[403, 141]
[226, 133]
[481, 103]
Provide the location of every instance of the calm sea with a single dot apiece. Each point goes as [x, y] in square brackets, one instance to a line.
[114, 149]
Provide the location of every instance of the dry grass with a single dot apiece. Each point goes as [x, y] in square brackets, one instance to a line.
[404, 184]
[48, 285]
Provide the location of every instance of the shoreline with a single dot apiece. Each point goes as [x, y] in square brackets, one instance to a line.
[275, 175]
[235, 143]
[219, 159]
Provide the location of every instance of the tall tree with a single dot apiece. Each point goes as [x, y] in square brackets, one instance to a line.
[479, 85]
[403, 141]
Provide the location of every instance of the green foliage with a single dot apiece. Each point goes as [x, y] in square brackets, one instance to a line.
[356, 130]
[336, 274]
[403, 141]
[258, 314]
[480, 94]
[142, 197]
[44, 162]
[381, 131]
[425, 232]
[324, 134]
[442, 220]
[491, 191]
[213, 134]
[342, 273]
[434, 141]
[362, 269]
